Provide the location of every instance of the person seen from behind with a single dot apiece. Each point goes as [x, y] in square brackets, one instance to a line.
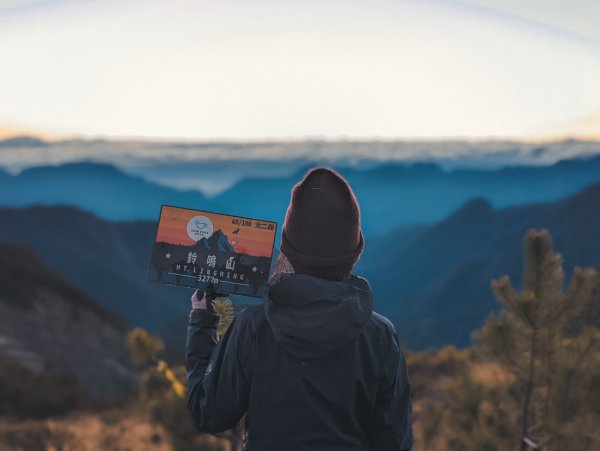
[313, 367]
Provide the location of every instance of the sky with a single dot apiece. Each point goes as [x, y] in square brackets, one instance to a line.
[248, 70]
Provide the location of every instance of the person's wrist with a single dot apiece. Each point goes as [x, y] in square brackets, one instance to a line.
[204, 318]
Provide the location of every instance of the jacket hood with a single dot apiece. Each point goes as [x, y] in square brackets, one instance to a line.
[312, 317]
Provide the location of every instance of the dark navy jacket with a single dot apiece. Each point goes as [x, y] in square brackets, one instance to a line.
[313, 367]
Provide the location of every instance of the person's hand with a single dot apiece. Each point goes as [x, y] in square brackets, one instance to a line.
[203, 299]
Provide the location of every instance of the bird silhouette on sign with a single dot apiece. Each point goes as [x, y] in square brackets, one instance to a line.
[201, 225]
[236, 231]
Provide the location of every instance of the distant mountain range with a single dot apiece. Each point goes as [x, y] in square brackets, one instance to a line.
[433, 281]
[391, 194]
[110, 261]
[394, 195]
[50, 327]
[100, 188]
[435, 284]
[23, 141]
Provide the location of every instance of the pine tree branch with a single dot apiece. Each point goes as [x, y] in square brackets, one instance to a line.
[528, 392]
[570, 301]
[506, 349]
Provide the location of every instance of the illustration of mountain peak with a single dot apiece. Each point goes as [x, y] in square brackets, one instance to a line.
[218, 242]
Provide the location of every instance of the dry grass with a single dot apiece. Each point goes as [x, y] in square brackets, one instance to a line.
[108, 431]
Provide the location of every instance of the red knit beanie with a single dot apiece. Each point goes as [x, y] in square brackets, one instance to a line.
[322, 223]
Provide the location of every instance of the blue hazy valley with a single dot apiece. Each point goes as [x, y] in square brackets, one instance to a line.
[435, 235]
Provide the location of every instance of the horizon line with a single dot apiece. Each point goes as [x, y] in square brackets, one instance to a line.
[52, 138]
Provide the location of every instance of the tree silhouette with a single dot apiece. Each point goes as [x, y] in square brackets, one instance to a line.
[143, 347]
[559, 370]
